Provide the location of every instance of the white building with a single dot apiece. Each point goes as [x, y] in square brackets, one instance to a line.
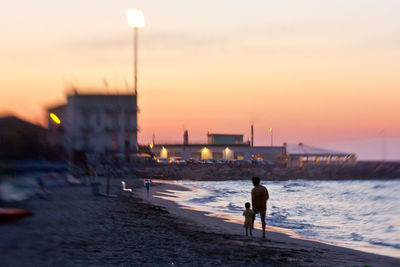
[220, 152]
[301, 155]
[221, 147]
[232, 147]
[97, 123]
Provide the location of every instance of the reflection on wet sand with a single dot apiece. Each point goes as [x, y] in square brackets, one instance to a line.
[178, 196]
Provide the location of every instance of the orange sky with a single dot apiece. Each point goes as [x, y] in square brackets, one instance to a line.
[315, 71]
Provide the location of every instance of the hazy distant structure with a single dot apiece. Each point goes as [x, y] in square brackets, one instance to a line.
[186, 138]
[221, 139]
[252, 135]
[97, 123]
[228, 147]
[22, 140]
[231, 147]
[301, 155]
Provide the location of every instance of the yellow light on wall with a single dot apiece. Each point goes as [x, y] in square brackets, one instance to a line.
[206, 153]
[228, 155]
[55, 118]
[135, 18]
[164, 153]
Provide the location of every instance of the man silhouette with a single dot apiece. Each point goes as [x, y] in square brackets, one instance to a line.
[259, 197]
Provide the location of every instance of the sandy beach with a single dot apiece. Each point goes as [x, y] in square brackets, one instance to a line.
[74, 228]
[320, 253]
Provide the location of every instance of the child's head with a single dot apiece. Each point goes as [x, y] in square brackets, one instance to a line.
[247, 205]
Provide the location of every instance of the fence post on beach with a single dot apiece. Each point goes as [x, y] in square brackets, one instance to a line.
[147, 183]
[108, 180]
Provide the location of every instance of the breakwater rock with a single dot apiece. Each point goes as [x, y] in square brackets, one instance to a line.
[209, 172]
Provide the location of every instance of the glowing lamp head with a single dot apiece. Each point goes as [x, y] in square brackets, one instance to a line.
[270, 130]
[135, 18]
[55, 118]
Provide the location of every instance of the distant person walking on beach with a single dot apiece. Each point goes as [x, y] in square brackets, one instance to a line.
[259, 197]
[248, 219]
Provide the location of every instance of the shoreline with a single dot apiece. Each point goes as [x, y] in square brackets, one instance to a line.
[269, 179]
[276, 237]
[72, 227]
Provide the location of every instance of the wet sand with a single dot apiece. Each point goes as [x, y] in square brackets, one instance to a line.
[74, 228]
[315, 252]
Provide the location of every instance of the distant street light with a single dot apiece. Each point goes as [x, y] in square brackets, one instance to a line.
[135, 20]
[270, 130]
[55, 118]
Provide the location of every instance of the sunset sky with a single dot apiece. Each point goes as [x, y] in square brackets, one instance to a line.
[325, 73]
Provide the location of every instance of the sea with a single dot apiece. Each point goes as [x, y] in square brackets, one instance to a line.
[358, 214]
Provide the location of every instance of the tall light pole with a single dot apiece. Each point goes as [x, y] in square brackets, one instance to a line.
[136, 20]
[270, 131]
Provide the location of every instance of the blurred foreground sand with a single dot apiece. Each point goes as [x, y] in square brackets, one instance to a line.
[73, 227]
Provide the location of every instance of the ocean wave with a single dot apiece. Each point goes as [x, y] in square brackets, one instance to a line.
[356, 213]
[234, 207]
[379, 186]
[379, 198]
[384, 244]
[390, 229]
[204, 199]
[294, 184]
[223, 192]
[349, 218]
[292, 190]
[356, 237]
[278, 214]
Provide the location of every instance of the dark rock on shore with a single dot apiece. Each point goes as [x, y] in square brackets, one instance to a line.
[216, 172]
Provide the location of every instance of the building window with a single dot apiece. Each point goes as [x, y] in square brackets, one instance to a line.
[115, 123]
[257, 157]
[114, 144]
[238, 139]
[238, 155]
[86, 112]
[195, 155]
[178, 154]
[217, 155]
